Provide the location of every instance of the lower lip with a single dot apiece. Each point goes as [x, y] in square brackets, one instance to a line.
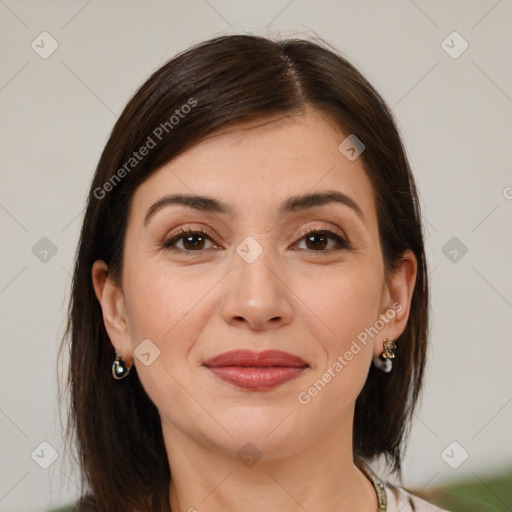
[256, 378]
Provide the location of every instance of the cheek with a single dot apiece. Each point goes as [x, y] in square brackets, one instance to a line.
[165, 308]
[348, 304]
[346, 301]
[165, 305]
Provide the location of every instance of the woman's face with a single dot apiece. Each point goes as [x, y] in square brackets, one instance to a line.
[272, 270]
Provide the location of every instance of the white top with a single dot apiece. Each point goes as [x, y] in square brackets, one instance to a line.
[401, 503]
[392, 498]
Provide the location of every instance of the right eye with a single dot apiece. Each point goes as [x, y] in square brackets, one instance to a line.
[193, 241]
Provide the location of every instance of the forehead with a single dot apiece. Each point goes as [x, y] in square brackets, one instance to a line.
[255, 166]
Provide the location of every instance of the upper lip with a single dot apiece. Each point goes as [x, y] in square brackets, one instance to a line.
[250, 358]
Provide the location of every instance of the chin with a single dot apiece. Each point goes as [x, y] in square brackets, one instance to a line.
[268, 432]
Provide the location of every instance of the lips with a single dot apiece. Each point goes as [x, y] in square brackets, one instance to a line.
[259, 359]
[256, 371]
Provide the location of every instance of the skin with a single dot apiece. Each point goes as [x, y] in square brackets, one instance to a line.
[306, 301]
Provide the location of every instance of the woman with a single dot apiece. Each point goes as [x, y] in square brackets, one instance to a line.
[249, 312]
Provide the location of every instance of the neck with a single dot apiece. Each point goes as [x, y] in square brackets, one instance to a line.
[320, 477]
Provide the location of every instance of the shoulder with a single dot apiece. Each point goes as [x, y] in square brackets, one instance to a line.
[401, 500]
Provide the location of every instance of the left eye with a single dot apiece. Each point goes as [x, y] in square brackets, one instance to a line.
[320, 239]
[194, 241]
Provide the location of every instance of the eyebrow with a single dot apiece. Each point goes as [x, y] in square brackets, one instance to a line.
[292, 204]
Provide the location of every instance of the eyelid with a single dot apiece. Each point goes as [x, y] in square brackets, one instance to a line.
[187, 228]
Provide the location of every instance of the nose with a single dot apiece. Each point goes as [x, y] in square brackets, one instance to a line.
[257, 296]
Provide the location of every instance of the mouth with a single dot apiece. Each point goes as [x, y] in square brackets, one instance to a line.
[257, 371]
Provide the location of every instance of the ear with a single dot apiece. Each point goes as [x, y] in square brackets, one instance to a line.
[396, 299]
[110, 297]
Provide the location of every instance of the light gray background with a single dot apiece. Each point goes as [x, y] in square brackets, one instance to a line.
[455, 115]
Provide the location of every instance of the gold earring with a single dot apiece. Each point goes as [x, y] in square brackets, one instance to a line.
[383, 361]
[389, 347]
[119, 369]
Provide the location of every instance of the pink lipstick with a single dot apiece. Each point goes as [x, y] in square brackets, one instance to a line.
[257, 371]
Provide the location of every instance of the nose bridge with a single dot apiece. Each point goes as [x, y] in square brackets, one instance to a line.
[258, 293]
[255, 263]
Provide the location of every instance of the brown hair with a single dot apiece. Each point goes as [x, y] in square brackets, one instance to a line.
[225, 81]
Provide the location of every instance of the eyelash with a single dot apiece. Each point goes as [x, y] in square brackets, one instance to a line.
[342, 244]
